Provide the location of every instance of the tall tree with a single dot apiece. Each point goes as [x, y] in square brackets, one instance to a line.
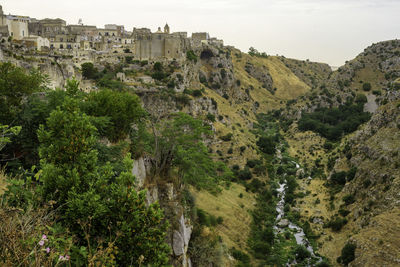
[94, 202]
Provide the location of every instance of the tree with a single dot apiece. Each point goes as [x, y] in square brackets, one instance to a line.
[267, 144]
[253, 51]
[178, 143]
[15, 85]
[361, 99]
[89, 71]
[122, 110]
[91, 200]
[347, 254]
[6, 133]
[302, 253]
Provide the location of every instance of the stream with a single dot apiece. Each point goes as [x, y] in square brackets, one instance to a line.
[282, 222]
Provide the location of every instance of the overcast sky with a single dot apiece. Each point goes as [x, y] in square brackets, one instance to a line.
[330, 31]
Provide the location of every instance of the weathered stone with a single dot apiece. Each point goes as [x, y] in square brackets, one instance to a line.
[181, 237]
[283, 223]
[151, 195]
[139, 171]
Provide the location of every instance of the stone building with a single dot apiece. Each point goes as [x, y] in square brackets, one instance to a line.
[160, 44]
[17, 25]
[47, 27]
[35, 42]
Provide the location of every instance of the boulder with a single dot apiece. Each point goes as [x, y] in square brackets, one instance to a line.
[283, 223]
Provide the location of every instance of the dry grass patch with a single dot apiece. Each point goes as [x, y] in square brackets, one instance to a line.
[234, 210]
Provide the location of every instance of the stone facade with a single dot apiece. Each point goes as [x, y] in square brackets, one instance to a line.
[141, 43]
[17, 25]
[161, 44]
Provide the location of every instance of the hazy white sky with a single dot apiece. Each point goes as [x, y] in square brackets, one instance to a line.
[330, 31]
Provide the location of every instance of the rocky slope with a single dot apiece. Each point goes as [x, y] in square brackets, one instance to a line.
[231, 88]
[373, 150]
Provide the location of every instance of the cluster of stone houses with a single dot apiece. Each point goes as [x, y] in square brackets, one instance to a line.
[55, 34]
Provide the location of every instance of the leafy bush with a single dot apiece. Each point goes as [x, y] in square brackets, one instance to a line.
[241, 257]
[121, 109]
[361, 99]
[349, 199]
[89, 71]
[332, 123]
[301, 253]
[227, 137]
[128, 59]
[344, 212]
[367, 87]
[245, 174]
[267, 144]
[190, 55]
[336, 223]
[253, 162]
[339, 178]
[197, 93]
[91, 201]
[211, 117]
[16, 84]
[348, 254]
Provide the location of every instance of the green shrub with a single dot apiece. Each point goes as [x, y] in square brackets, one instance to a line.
[351, 174]
[377, 92]
[86, 194]
[267, 144]
[89, 71]
[367, 87]
[367, 183]
[301, 253]
[122, 109]
[211, 117]
[348, 254]
[332, 123]
[128, 59]
[260, 169]
[197, 93]
[361, 99]
[344, 212]
[336, 223]
[253, 162]
[339, 178]
[227, 137]
[349, 199]
[240, 256]
[190, 55]
[245, 174]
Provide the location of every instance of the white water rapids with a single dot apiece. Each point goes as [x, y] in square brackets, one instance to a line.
[299, 234]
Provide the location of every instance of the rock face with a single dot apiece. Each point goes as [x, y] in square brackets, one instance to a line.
[139, 171]
[181, 238]
[261, 74]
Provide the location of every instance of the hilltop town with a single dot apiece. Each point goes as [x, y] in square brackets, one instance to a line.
[82, 41]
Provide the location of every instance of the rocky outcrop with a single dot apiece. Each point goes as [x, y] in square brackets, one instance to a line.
[139, 171]
[180, 240]
[261, 74]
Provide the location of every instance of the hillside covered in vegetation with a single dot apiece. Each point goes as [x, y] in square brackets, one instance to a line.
[224, 158]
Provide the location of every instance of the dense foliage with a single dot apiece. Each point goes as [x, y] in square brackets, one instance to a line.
[333, 123]
[70, 151]
[347, 254]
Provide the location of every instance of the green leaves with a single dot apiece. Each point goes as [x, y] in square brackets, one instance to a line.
[93, 202]
[122, 110]
[6, 133]
[15, 85]
[178, 144]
